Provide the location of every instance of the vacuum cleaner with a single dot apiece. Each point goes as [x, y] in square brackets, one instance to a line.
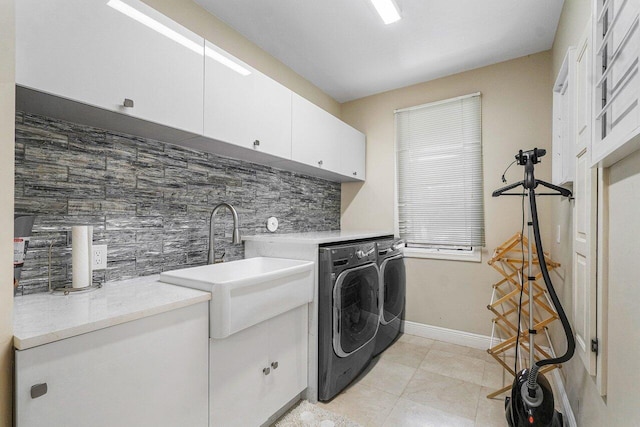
[531, 402]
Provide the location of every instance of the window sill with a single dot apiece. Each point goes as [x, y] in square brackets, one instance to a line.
[472, 256]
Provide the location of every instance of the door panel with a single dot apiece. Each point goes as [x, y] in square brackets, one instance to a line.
[288, 348]
[238, 385]
[584, 213]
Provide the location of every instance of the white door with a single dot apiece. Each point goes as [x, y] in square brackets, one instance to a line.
[240, 378]
[245, 108]
[353, 148]
[149, 372]
[584, 216]
[314, 136]
[287, 356]
[99, 53]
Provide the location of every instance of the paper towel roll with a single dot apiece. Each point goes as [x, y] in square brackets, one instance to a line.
[81, 243]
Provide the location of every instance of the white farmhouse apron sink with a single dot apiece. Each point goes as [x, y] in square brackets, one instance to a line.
[249, 291]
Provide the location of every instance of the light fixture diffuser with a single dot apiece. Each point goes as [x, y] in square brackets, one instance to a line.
[148, 21]
[135, 14]
[388, 10]
[227, 62]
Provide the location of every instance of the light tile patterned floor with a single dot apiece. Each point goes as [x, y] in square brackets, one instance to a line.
[422, 382]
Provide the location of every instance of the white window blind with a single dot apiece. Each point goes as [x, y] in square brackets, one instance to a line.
[439, 173]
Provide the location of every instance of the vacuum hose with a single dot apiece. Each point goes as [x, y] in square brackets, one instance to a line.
[571, 344]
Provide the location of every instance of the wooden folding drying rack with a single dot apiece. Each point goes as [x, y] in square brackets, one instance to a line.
[511, 260]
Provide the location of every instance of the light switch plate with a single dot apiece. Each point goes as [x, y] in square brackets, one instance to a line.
[99, 257]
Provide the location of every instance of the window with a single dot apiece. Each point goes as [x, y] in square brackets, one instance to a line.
[439, 178]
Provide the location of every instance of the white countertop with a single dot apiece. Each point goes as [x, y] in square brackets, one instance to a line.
[316, 237]
[43, 318]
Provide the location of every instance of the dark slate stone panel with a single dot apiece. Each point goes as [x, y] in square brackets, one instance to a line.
[149, 201]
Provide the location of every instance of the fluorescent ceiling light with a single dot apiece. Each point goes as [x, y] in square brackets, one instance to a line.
[146, 20]
[388, 10]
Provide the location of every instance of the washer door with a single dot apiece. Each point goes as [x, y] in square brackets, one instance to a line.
[356, 312]
[394, 279]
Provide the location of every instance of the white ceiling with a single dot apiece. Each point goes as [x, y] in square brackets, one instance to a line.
[343, 47]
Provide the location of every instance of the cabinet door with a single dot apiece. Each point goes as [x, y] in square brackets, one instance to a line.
[149, 372]
[314, 136]
[287, 356]
[353, 148]
[101, 52]
[617, 80]
[238, 380]
[243, 105]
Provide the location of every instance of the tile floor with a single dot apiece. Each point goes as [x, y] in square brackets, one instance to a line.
[422, 382]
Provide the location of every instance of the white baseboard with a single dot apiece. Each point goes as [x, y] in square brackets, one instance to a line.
[483, 342]
[567, 412]
[452, 336]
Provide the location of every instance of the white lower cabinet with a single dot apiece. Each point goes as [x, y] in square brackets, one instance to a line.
[258, 370]
[147, 372]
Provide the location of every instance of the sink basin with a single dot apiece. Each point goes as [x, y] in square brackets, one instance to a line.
[248, 291]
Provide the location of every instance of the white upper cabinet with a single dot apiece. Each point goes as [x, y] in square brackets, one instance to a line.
[102, 53]
[564, 102]
[617, 84]
[352, 145]
[323, 142]
[123, 66]
[314, 136]
[244, 107]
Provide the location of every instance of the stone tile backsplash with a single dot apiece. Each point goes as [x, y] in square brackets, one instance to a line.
[149, 201]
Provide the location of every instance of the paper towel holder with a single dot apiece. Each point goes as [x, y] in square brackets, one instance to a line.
[68, 289]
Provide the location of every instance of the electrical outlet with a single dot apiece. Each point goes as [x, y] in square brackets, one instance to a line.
[99, 257]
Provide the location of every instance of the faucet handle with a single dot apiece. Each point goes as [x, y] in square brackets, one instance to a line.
[221, 259]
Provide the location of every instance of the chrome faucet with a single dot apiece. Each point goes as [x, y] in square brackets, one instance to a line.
[236, 232]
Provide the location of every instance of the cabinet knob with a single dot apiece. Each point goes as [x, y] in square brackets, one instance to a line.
[256, 143]
[266, 371]
[38, 390]
[320, 163]
[128, 103]
[274, 365]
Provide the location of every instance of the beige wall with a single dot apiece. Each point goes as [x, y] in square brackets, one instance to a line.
[7, 120]
[516, 113]
[198, 20]
[575, 16]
